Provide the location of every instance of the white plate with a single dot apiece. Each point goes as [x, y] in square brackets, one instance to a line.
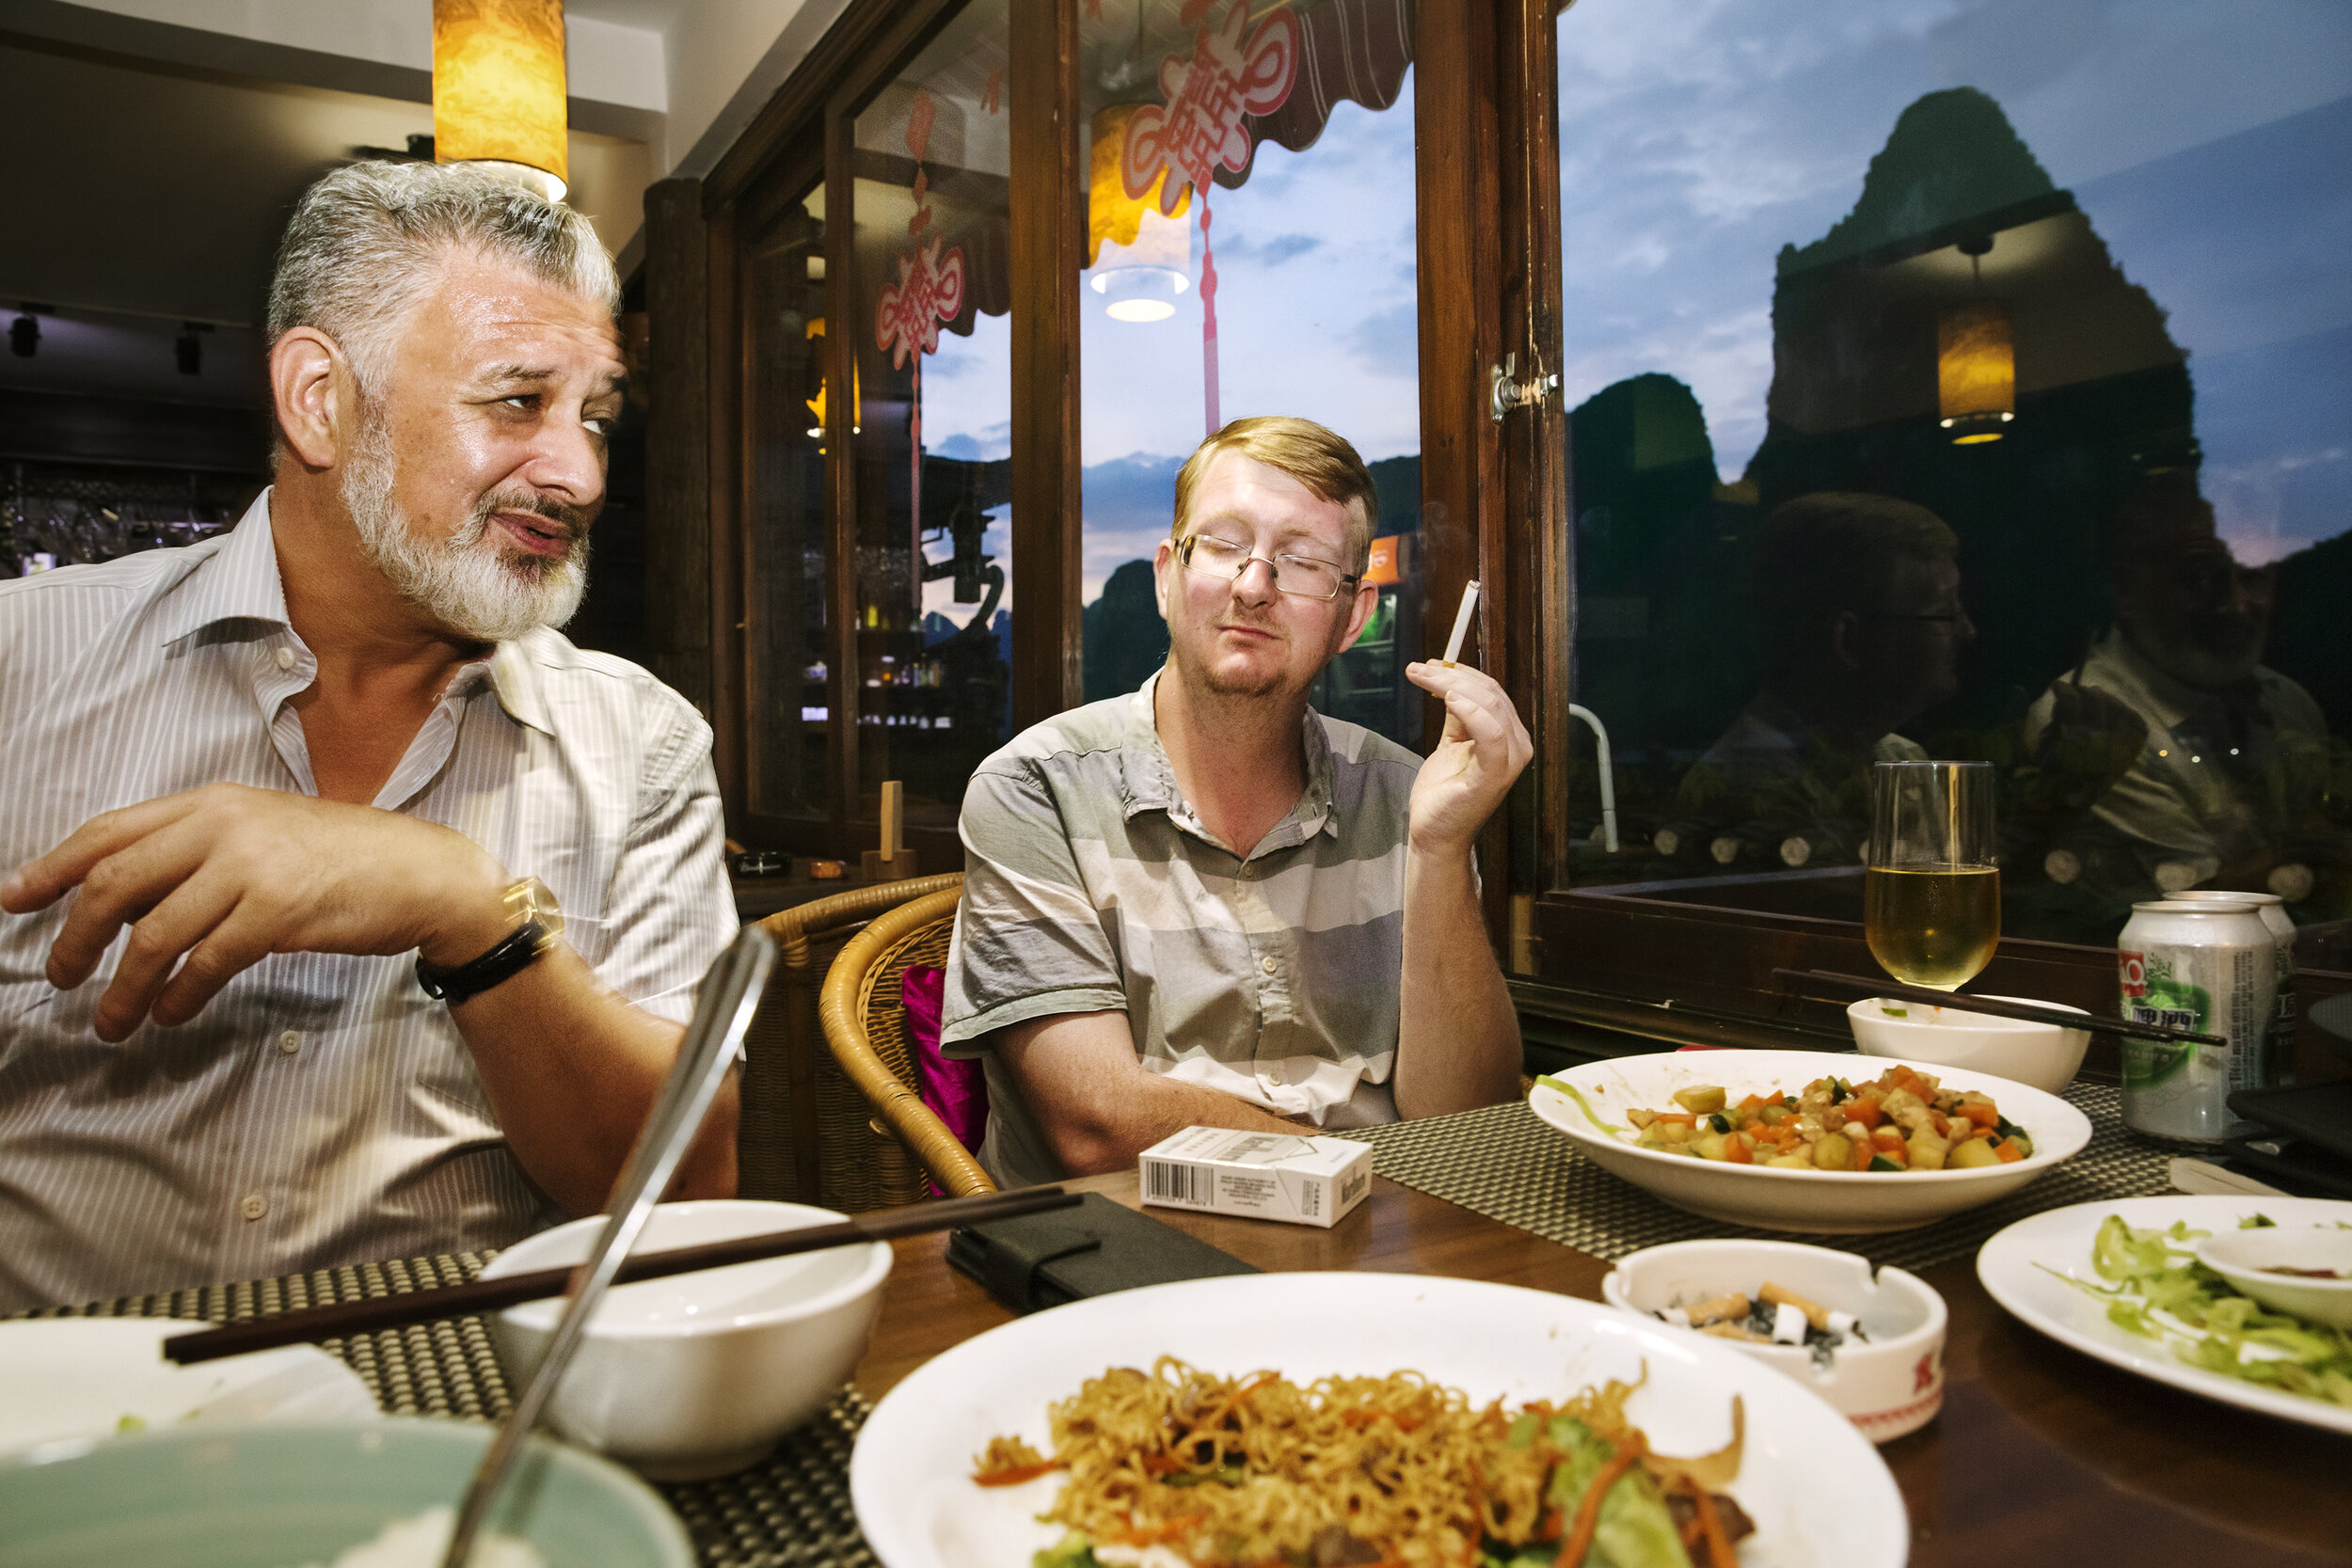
[1818, 1491]
[1838, 1203]
[2015, 1266]
[79, 1377]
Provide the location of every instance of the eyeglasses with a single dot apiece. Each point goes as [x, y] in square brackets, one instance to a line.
[1300, 577]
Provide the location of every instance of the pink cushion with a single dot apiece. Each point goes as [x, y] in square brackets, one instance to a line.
[956, 1091]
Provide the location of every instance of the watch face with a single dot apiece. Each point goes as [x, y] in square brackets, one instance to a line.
[533, 900]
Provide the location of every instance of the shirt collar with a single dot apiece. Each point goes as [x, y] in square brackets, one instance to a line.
[1148, 781]
[238, 581]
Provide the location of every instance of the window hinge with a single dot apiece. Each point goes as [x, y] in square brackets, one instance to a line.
[1509, 394]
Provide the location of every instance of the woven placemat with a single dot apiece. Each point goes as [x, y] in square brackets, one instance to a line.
[789, 1511]
[1504, 1163]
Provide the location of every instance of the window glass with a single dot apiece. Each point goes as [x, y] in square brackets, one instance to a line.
[1289, 289]
[933, 435]
[790, 737]
[1966, 380]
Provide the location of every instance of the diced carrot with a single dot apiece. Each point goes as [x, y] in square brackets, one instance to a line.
[1982, 1112]
[2008, 1152]
[1865, 1109]
[1941, 1122]
[1683, 1116]
[1888, 1143]
[1862, 1152]
[1737, 1152]
[1754, 1102]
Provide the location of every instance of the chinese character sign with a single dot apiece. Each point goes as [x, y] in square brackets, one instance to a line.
[1234, 72]
[930, 290]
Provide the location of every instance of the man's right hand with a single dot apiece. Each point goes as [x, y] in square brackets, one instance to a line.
[225, 875]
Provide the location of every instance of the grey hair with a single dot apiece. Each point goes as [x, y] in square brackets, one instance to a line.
[368, 239]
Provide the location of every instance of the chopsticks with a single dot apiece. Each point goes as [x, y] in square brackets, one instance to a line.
[2098, 1023]
[491, 1295]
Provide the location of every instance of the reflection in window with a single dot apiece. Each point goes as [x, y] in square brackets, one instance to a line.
[933, 484]
[1289, 289]
[786, 280]
[1970, 389]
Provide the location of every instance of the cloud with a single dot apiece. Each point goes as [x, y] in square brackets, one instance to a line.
[1270, 252]
[1390, 342]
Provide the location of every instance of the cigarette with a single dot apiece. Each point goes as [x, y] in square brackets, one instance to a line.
[1462, 621]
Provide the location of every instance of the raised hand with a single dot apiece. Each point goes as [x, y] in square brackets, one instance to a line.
[1482, 751]
[226, 875]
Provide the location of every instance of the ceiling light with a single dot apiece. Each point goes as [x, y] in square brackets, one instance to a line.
[497, 89]
[189, 348]
[23, 337]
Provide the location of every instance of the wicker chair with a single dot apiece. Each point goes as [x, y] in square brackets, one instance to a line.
[805, 1134]
[866, 1027]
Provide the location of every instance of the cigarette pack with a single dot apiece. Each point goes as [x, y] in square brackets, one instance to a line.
[1268, 1176]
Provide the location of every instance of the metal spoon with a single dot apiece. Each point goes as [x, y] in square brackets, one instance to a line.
[723, 1013]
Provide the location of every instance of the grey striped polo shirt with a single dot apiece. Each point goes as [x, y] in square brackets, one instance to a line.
[1091, 885]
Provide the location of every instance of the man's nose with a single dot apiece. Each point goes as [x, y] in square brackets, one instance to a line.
[1252, 586]
[566, 461]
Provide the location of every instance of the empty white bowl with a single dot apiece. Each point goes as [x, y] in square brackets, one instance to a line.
[1888, 1386]
[698, 1375]
[2040, 1055]
[2241, 1256]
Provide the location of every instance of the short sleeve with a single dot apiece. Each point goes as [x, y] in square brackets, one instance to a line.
[1029, 940]
[671, 912]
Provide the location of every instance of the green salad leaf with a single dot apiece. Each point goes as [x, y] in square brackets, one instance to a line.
[2157, 1289]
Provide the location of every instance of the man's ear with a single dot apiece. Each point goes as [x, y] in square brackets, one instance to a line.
[308, 395]
[1841, 640]
[1163, 561]
[1367, 599]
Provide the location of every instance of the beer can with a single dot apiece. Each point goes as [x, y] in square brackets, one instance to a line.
[2278, 1066]
[2206, 965]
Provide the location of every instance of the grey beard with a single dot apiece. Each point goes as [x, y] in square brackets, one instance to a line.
[468, 583]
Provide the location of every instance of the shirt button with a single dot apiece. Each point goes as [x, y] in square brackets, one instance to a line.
[1266, 964]
[254, 1206]
[290, 1041]
[285, 658]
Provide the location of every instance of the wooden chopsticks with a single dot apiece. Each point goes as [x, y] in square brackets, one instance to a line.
[2098, 1023]
[491, 1295]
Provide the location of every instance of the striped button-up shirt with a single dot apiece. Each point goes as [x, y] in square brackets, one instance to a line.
[321, 1110]
[1091, 885]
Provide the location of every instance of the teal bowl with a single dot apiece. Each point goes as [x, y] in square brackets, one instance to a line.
[283, 1495]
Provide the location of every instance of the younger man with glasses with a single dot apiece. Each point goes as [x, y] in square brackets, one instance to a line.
[1205, 903]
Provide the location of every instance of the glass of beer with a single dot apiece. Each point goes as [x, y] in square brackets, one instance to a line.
[1931, 896]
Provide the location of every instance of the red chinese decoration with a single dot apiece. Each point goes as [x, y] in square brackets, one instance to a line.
[930, 290]
[1234, 70]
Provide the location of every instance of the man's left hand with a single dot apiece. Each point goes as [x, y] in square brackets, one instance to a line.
[1484, 749]
[228, 875]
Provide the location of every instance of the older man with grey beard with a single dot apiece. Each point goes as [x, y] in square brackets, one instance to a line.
[352, 913]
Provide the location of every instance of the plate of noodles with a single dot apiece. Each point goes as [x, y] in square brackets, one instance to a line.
[1335, 1419]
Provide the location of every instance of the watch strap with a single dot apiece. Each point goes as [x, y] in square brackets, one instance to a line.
[510, 956]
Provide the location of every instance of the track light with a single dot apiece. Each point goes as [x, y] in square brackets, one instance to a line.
[189, 348]
[23, 337]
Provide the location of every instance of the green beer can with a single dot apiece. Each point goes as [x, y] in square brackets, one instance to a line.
[2206, 965]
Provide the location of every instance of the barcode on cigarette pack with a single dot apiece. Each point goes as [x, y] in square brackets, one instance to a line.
[1164, 1181]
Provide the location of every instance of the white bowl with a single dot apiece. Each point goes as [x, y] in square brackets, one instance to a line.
[2241, 1255]
[698, 1375]
[1888, 1383]
[2041, 1054]
[1838, 1203]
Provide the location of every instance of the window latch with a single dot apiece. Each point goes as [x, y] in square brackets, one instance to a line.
[1506, 392]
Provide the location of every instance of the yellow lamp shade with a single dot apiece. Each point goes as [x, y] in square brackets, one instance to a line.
[497, 88]
[1112, 215]
[1975, 370]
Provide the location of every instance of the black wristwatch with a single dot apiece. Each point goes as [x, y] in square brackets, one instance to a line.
[538, 925]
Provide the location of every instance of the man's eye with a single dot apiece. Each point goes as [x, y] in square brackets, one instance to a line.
[525, 401]
[601, 425]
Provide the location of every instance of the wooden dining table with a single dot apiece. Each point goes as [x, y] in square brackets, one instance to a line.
[2039, 1456]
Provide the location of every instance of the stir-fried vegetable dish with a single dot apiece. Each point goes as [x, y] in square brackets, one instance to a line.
[1391, 1470]
[1902, 1120]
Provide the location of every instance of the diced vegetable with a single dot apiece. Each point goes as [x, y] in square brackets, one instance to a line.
[1834, 1152]
[1704, 1100]
[1974, 1154]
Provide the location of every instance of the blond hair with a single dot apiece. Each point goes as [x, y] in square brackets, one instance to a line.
[1320, 459]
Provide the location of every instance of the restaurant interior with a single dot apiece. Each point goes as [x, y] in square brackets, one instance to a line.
[1806, 387]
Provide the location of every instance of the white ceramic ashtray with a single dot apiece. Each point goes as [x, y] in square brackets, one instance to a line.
[2042, 1056]
[1882, 1370]
[696, 1375]
[2251, 1260]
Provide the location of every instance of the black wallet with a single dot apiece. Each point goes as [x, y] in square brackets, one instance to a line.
[1065, 1254]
